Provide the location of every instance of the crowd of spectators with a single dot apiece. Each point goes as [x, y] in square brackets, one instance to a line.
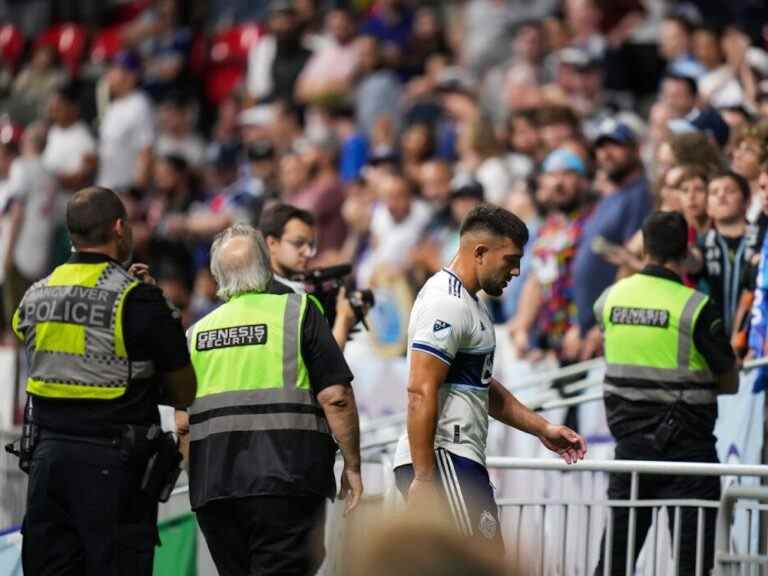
[389, 120]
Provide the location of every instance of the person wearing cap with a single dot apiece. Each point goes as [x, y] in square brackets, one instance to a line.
[615, 219]
[70, 148]
[126, 132]
[667, 359]
[547, 308]
[104, 349]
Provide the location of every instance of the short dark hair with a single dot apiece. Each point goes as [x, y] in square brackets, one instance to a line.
[274, 219]
[91, 213]
[741, 182]
[690, 82]
[665, 236]
[497, 221]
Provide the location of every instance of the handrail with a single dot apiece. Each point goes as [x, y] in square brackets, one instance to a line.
[628, 466]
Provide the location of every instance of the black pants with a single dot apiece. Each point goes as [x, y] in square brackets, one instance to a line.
[85, 514]
[652, 487]
[265, 535]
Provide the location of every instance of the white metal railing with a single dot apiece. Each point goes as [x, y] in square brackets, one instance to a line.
[569, 534]
[726, 560]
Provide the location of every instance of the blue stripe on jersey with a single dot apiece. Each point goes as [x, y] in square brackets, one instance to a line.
[468, 369]
[422, 347]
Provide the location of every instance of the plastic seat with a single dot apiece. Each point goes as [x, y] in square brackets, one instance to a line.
[69, 39]
[11, 45]
[106, 44]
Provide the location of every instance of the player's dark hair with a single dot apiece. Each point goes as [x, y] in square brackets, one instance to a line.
[665, 236]
[497, 221]
[274, 219]
[91, 214]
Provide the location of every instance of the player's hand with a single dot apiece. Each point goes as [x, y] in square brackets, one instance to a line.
[562, 440]
[141, 271]
[351, 488]
[422, 492]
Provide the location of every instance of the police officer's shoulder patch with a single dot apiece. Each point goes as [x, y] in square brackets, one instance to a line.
[249, 335]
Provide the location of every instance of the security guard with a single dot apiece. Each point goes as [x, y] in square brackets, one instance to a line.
[667, 359]
[103, 350]
[274, 387]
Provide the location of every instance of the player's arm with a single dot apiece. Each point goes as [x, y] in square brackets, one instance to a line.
[427, 373]
[504, 407]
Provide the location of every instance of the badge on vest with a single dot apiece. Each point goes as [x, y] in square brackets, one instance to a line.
[650, 317]
[251, 335]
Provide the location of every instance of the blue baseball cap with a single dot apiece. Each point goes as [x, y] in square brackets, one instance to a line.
[615, 131]
[561, 160]
[127, 60]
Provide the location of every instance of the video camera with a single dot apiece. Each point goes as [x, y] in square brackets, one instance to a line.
[325, 283]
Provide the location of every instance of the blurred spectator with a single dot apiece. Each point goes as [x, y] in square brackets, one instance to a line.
[329, 73]
[547, 307]
[426, 39]
[486, 26]
[416, 146]
[679, 94]
[750, 150]
[675, 45]
[262, 169]
[480, 156]
[724, 246]
[322, 194]
[378, 93]
[558, 124]
[277, 58]
[164, 44]
[171, 196]
[718, 85]
[126, 133]
[523, 142]
[70, 149]
[616, 218]
[692, 192]
[441, 238]
[397, 223]
[27, 221]
[35, 82]
[176, 134]
[390, 21]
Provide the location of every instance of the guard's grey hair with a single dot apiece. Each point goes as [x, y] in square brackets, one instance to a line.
[250, 274]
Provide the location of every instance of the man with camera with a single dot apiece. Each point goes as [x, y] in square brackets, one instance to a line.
[103, 350]
[667, 358]
[291, 237]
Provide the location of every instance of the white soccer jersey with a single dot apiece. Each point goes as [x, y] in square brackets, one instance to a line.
[454, 326]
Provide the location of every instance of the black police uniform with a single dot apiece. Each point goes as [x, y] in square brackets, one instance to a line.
[635, 425]
[85, 512]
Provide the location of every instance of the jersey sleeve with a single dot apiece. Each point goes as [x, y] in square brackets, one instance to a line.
[439, 324]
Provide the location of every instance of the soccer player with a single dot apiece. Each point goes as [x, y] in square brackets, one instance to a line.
[451, 389]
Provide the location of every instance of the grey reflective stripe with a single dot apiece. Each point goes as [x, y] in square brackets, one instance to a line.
[662, 395]
[290, 340]
[685, 330]
[142, 369]
[661, 375]
[260, 423]
[252, 397]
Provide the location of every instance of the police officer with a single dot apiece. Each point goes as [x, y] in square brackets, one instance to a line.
[103, 350]
[667, 358]
[274, 391]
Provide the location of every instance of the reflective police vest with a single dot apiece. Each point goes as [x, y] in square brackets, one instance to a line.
[255, 425]
[650, 352]
[72, 326]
